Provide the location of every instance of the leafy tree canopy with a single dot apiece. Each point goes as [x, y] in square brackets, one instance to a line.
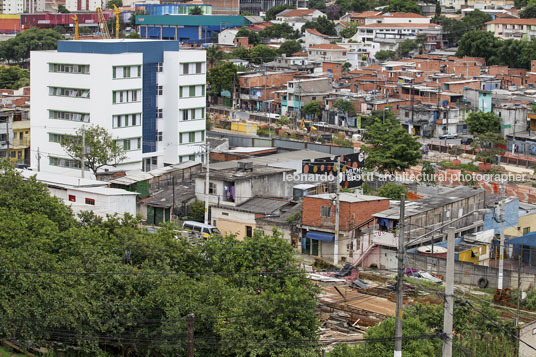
[392, 190]
[385, 55]
[315, 108]
[100, 149]
[14, 77]
[289, 47]
[110, 4]
[283, 30]
[261, 54]
[528, 13]
[222, 77]
[349, 31]
[18, 49]
[345, 106]
[316, 4]
[196, 10]
[480, 123]
[390, 148]
[146, 286]
[272, 12]
[404, 6]
[253, 37]
[62, 9]
[322, 25]
[406, 47]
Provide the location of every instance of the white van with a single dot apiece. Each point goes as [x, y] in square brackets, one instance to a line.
[205, 229]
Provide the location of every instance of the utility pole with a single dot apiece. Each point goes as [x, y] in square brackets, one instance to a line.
[514, 141]
[191, 319]
[207, 182]
[448, 309]
[400, 279]
[501, 245]
[7, 136]
[83, 161]
[518, 295]
[337, 204]
[38, 160]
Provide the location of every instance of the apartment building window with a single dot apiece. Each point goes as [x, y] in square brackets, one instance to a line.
[159, 90]
[211, 188]
[192, 114]
[192, 68]
[129, 144]
[72, 198]
[126, 120]
[68, 68]
[526, 230]
[73, 116]
[56, 138]
[67, 163]
[325, 211]
[160, 67]
[90, 201]
[191, 137]
[68, 92]
[249, 231]
[159, 136]
[126, 96]
[159, 113]
[192, 91]
[124, 72]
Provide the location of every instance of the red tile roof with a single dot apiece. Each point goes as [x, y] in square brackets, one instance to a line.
[513, 21]
[299, 54]
[316, 33]
[364, 14]
[298, 13]
[385, 25]
[402, 15]
[326, 46]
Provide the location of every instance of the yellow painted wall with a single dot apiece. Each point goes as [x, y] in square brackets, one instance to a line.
[244, 127]
[6, 16]
[466, 255]
[227, 226]
[528, 221]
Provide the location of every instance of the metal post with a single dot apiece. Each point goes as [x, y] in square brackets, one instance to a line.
[514, 137]
[448, 309]
[337, 204]
[207, 182]
[38, 160]
[501, 246]
[191, 319]
[83, 159]
[400, 280]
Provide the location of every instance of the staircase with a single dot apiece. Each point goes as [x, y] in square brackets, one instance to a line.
[363, 255]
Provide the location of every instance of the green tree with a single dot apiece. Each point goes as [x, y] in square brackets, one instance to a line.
[289, 47]
[14, 77]
[18, 49]
[253, 37]
[385, 55]
[481, 123]
[349, 31]
[528, 13]
[272, 12]
[197, 211]
[246, 13]
[390, 148]
[345, 106]
[314, 108]
[475, 20]
[214, 55]
[438, 9]
[392, 190]
[110, 4]
[406, 47]
[62, 9]
[240, 52]
[261, 54]
[488, 145]
[477, 43]
[283, 30]
[404, 6]
[511, 53]
[100, 149]
[196, 10]
[346, 66]
[322, 25]
[222, 77]
[317, 4]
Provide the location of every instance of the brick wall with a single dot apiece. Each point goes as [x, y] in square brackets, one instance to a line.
[351, 214]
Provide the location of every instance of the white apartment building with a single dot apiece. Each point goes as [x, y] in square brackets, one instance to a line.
[22, 6]
[149, 95]
[87, 5]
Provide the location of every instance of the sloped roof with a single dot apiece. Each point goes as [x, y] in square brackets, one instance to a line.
[326, 46]
[408, 25]
[316, 33]
[514, 21]
[295, 12]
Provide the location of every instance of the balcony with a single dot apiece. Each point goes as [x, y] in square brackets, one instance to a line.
[21, 125]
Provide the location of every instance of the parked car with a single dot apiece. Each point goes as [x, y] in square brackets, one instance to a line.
[448, 136]
[467, 141]
[321, 124]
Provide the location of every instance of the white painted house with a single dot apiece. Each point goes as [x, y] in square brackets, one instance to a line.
[148, 94]
[227, 37]
[87, 195]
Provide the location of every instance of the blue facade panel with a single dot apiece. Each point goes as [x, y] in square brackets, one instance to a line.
[511, 215]
[149, 108]
[153, 51]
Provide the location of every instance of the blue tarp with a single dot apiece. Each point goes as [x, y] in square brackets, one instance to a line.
[528, 240]
[325, 237]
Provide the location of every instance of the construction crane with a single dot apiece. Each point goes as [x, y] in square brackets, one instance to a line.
[102, 24]
[117, 12]
[76, 33]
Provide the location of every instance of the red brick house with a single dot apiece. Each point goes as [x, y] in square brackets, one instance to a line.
[318, 222]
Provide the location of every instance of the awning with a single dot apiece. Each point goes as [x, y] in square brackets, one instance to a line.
[325, 237]
[528, 240]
